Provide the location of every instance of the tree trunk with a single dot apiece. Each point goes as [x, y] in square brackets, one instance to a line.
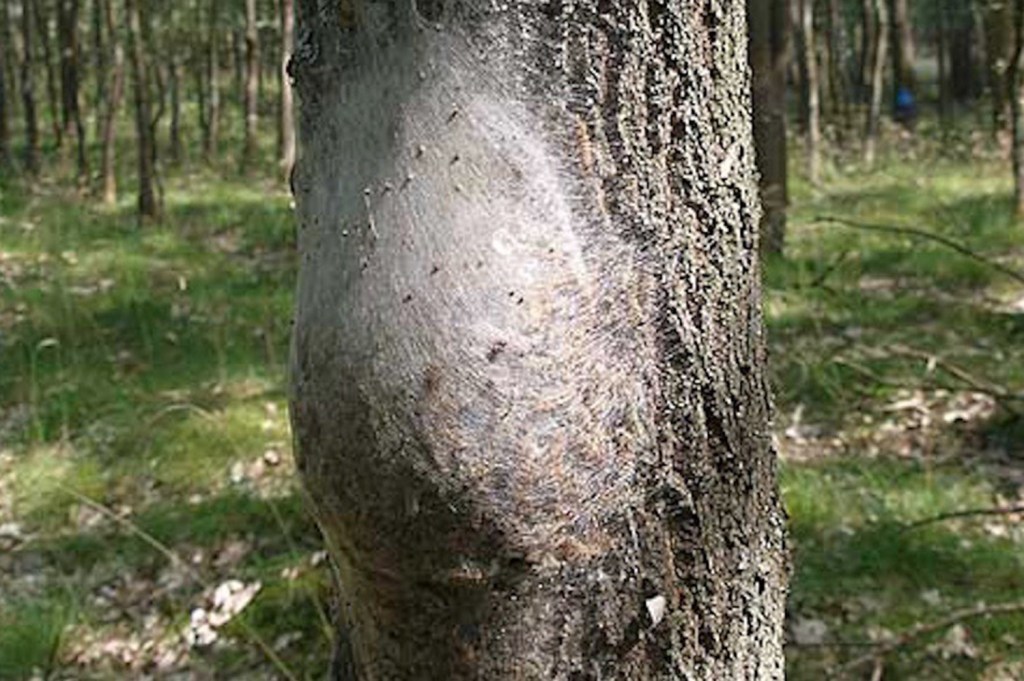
[148, 206]
[100, 63]
[42, 25]
[998, 29]
[962, 68]
[71, 112]
[6, 87]
[769, 50]
[175, 150]
[112, 104]
[902, 36]
[878, 50]
[868, 45]
[252, 67]
[5, 128]
[238, 64]
[836, 48]
[812, 100]
[945, 100]
[286, 121]
[10, 58]
[529, 388]
[1017, 106]
[28, 96]
[212, 83]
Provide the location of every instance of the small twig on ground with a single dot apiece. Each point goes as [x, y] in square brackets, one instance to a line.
[923, 234]
[924, 628]
[999, 393]
[967, 513]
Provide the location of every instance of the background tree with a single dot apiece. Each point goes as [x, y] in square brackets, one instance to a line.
[148, 202]
[28, 92]
[113, 94]
[880, 27]
[811, 88]
[903, 52]
[999, 46]
[529, 393]
[769, 56]
[1017, 104]
[251, 99]
[286, 116]
[71, 114]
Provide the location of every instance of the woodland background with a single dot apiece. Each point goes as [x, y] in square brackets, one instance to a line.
[150, 521]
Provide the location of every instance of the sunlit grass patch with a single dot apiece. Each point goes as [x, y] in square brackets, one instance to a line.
[31, 635]
[39, 478]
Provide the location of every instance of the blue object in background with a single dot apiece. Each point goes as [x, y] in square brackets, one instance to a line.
[905, 104]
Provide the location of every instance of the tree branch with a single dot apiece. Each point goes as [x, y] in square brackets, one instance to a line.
[924, 628]
[923, 234]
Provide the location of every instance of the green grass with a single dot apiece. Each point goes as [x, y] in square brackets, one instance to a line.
[143, 368]
[860, 322]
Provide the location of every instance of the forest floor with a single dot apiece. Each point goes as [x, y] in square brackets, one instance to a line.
[150, 523]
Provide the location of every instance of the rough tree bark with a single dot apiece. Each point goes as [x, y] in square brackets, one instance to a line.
[251, 99]
[529, 391]
[113, 95]
[148, 204]
[28, 96]
[769, 55]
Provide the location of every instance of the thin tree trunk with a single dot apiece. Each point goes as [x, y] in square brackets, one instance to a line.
[5, 129]
[213, 82]
[867, 48]
[878, 57]
[962, 64]
[71, 112]
[286, 121]
[528, 379]
[10, 59]
[174, 90]
[148, 205]
[237, 41]
[42, 25]
[252, 67]
[114, 94]
[998, 31]
[813, 94]
[7, 95]
[902, 46]
[769, 54]
[1017, 106]
[100, 64]
[28, 97]
[945, 108]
